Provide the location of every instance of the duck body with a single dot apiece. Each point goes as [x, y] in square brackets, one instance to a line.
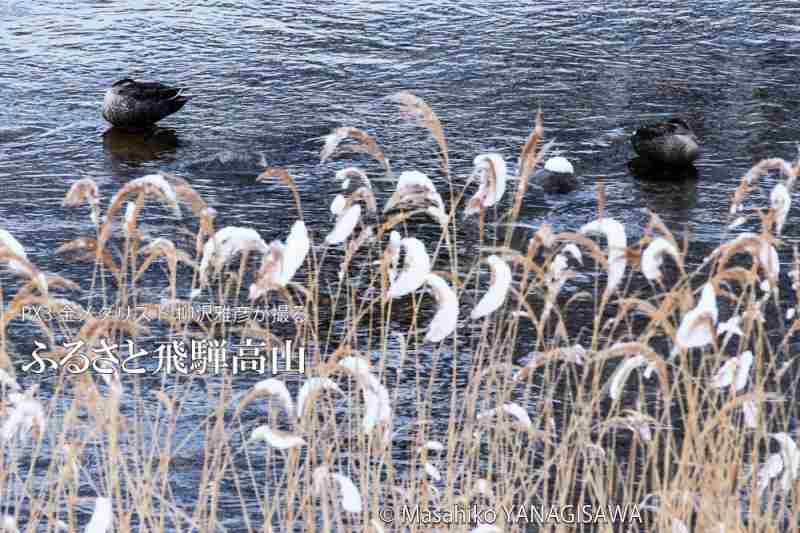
[558, 176]
[671, 143]
[132, 104]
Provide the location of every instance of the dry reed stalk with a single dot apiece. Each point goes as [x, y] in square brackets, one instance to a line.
[758, 170]
[283, 175]
[23, 268]
[165, 248]
[530, 156]
[415, 108]
[186, 193]
[631, 449]
[89, 252]
[365, 144]
[84, 189]
[154, 185]
[601, 198]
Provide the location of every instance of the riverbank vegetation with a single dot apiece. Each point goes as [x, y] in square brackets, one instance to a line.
[454, 358]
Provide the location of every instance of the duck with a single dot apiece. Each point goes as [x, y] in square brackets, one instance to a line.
[671, 143]
[136, 105]
[558, 176]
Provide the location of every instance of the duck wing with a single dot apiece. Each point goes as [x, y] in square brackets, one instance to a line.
[653, 131]
[150, 91]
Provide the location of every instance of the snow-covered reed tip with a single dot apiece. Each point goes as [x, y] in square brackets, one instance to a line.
[346, 175]
[780, 202]
[734, 372]
[276, 438]
[26, 412]
[416, 268]
[512, 409]
[152, 184]
[414, 189]
[225, 244]
[282, 261]
[84, 189]
[498, 288]
[621, 374]
[698, 326]
[653, 257]
[346, 220]
[351, 497]
[445, 320]
[491, 170]
[376, 395]
[310, 389]
[614, 233]
[10, 244]
[101, 517]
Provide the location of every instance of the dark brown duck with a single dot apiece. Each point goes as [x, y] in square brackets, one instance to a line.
[671, 143]
[132, 104]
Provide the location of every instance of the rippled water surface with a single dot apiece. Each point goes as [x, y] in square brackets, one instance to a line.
[269, 80]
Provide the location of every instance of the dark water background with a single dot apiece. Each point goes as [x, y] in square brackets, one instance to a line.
[269, 80]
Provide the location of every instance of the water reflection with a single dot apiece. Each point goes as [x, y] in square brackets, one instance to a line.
[646, 170]
[669, 191]
[133, 148]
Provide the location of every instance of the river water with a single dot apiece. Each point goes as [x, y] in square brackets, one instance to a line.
[269, 80]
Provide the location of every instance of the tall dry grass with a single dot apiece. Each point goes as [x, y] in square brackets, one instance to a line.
[679, 397]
